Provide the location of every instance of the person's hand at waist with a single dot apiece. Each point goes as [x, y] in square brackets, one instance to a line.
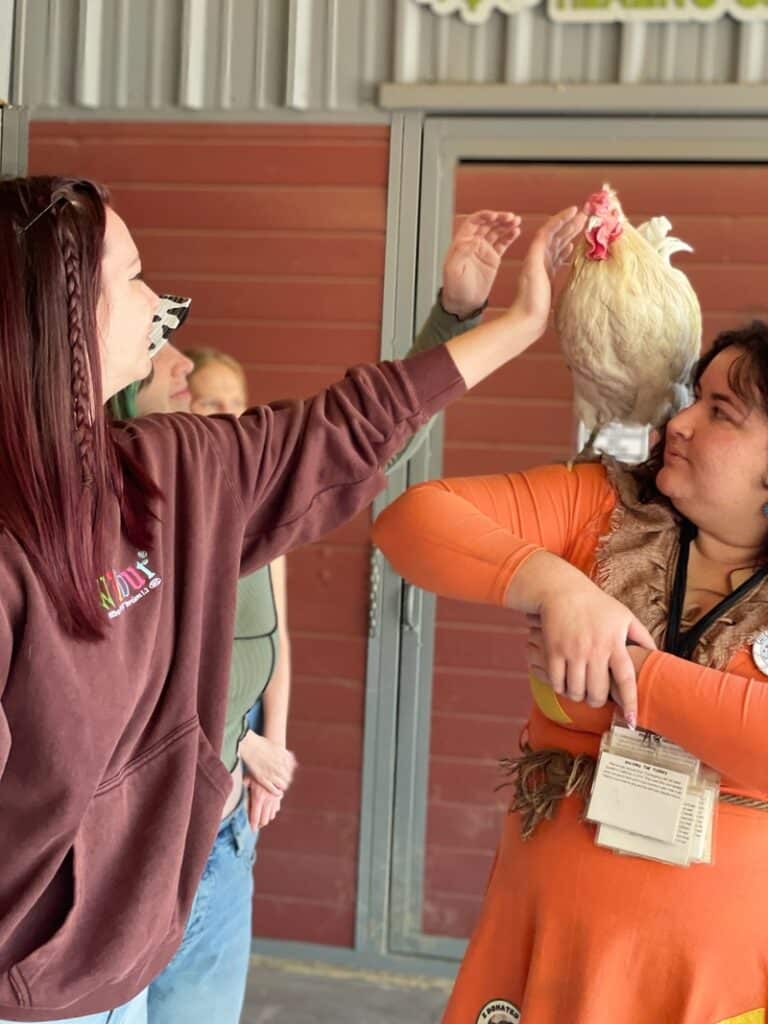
[268, 773]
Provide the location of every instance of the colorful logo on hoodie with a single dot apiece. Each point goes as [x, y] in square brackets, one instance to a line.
[121, 590]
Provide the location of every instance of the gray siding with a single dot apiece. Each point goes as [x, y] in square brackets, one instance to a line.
[242, 59]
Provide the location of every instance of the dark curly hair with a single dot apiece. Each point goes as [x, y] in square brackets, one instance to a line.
[747, 377]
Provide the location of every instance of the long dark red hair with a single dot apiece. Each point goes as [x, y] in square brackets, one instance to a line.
[62, 472]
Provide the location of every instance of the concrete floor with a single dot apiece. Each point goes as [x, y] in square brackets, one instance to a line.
[283, 991]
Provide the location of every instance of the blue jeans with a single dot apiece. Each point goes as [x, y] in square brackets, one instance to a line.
[134, 1012]
[205, 981]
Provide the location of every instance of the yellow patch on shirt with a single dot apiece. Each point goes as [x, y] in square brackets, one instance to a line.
[750, 1017]
[549, 705]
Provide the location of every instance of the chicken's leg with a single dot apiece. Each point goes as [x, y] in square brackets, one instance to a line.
[588, 451]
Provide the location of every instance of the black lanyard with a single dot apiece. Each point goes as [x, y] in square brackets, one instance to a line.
[684, 644]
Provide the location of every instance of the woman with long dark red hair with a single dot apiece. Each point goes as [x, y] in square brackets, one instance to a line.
[117, 597]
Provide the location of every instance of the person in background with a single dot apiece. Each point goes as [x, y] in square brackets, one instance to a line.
[217, 383]
[217, 386]
[206, 979]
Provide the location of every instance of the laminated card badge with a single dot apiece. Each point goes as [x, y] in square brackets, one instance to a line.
[651, 798]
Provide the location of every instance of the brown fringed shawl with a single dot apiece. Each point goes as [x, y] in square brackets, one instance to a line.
[636, 565]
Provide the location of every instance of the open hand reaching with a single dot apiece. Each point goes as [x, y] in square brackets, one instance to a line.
[474, 257]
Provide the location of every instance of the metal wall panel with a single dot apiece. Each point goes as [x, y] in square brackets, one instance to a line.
[13, 141]
[200, 58]
[241, 59]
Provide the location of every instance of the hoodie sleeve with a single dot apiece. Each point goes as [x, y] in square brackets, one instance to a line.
[284, 474]
[301, 469]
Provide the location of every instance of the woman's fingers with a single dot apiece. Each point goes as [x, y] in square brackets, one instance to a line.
[576, 680]
[586, 681]
[556, 673]
[256, 798]
[569, 223]
[503, 236]
[564, 257]
[624, 686]
[598, 684]
[638, 634]
[270, 811]
[268, 806]
[537, 661]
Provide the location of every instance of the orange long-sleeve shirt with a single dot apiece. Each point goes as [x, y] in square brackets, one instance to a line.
[466, 538]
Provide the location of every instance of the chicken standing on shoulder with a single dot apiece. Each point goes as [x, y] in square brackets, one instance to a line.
[629, 322]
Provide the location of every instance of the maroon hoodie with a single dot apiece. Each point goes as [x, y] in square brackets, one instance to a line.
[111, 787]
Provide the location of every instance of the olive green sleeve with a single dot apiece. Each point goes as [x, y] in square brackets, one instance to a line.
[438, 328]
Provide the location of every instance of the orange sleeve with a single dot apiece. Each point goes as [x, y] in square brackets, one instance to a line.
[720, 717]
[466, 537]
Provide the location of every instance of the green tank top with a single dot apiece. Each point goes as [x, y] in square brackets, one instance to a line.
[254, 655]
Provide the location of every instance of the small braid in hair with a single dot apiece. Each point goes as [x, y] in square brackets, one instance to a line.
[80, 379]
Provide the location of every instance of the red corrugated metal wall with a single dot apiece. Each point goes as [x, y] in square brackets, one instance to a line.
[277, 232]
[522, 417]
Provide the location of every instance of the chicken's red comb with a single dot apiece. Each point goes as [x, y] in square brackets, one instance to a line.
[598, 201]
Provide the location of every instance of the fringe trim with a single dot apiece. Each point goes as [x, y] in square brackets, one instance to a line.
[541, 779]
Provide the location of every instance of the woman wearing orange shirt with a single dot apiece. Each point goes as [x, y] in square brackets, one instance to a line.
[649, 588]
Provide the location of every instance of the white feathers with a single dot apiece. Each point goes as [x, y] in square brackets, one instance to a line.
[655, 232]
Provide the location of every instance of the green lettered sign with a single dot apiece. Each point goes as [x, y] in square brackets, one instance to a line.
[475, 12]
[656, 10]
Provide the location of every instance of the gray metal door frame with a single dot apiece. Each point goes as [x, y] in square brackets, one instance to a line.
[372, 946]
[400, 651]
[13, 141]
[13, 119]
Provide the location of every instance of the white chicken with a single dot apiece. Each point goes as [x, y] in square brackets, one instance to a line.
[629, 322]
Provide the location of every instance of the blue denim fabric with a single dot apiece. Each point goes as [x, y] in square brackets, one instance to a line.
[205, 981]
[134, 1012]
[255, 717]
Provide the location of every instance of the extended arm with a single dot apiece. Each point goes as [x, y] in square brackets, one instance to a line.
[299, 469]
[510, 540]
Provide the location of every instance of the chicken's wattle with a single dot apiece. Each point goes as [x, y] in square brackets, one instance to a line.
[600, 233]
